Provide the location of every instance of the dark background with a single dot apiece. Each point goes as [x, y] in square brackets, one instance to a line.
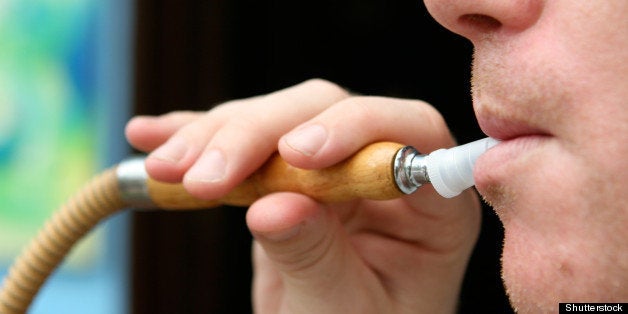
[194, 54]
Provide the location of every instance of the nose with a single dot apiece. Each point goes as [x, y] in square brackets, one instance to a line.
[475, 19]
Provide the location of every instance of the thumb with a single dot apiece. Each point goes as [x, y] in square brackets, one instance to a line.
[304, 242]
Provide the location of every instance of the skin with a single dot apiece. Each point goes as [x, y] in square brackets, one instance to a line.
[549, 79]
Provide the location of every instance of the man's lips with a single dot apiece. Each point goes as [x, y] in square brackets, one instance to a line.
[495, 169]
[507, 128]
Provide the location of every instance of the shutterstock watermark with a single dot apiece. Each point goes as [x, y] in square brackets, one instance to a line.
[593, 308]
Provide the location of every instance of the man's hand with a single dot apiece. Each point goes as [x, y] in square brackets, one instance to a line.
[401, 256]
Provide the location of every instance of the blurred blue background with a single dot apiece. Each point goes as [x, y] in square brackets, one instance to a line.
[65, 77]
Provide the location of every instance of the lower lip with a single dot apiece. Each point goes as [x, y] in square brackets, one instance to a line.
[493, 166]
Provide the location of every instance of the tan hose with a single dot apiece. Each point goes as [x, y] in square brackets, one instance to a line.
[95, 201]
[368, 174]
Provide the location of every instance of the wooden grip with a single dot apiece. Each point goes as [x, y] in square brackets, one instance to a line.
[368, 174]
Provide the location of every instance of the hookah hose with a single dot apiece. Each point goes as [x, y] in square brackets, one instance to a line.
[380, 171]
[366, 175]
[96, 200]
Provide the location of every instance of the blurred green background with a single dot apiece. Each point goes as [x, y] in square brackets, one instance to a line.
[47, 111]
[64, 84]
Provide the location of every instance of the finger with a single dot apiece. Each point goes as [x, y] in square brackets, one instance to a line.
[248, 135]
[148, 132]
[225, 144]
[306, 244]
[357, 121]
[170, 161]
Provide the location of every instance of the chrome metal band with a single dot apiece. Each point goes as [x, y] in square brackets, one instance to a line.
[132, 178]
[409, 169]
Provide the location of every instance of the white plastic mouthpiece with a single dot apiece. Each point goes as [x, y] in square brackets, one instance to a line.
[451, 170]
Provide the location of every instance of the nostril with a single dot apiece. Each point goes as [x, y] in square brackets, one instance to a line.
[480, 22]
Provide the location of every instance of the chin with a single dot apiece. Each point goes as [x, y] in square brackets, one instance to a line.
[562, 260]
[527, 274]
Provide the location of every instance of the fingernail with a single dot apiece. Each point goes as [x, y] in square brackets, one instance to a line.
[172, 151]
[307, 140]
[211, 167]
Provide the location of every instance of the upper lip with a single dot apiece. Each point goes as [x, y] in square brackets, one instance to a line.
[504, 125]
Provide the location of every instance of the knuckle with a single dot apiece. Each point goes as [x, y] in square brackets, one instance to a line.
[325, 87]
[190, 132]
[359, 108]
[181, 115]
[246, 124]
[254, 129]
[432, 116]
[431, 119]
[227, 108]
[236, 111]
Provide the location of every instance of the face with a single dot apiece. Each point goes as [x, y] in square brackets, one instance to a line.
[550, 78]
